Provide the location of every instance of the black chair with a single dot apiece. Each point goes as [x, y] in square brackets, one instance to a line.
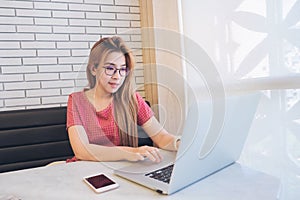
[143, 137]
[32, 138]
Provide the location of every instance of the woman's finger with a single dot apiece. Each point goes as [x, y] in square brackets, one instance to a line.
[156, 157]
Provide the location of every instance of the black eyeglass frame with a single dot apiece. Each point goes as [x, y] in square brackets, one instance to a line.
[121, 71]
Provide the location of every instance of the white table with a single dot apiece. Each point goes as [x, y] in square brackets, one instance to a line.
[64, 181]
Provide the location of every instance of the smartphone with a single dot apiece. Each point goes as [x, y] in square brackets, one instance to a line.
[100, 182]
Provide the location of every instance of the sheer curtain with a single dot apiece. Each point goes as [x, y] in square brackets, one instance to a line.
[255, 46]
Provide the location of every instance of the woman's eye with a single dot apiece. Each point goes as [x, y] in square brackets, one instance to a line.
[110, 68]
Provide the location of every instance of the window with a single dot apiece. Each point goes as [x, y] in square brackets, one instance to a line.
[255, 45]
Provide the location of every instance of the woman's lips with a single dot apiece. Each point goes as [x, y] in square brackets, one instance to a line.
[114, 85]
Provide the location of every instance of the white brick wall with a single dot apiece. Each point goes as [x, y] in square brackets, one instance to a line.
[44, 46]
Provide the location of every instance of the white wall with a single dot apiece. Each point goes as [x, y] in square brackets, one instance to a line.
[254, 45]
[44, 46]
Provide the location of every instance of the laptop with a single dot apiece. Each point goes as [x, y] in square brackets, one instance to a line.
[213, 137]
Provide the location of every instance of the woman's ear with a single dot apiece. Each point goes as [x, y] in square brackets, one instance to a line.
[93, 70]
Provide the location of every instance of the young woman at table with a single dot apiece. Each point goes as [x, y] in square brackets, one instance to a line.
[102, 120]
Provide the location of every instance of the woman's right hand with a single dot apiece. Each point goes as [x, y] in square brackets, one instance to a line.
[140, 153]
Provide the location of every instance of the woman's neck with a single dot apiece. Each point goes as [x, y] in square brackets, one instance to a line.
[98, 99]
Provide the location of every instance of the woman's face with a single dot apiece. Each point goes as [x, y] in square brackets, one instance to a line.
[109, 76]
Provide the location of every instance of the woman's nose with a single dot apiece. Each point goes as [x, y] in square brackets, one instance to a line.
[116, 74]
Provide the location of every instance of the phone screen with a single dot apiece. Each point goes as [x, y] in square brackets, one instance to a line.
[100, 181]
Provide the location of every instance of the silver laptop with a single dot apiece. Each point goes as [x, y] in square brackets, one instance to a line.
[213, 137]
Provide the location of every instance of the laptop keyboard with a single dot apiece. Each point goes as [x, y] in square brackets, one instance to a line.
[163, 174]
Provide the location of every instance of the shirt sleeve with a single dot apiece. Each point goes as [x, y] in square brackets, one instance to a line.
[72, 113]
[144, 111]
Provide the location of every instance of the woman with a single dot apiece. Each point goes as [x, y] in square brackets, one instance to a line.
[102, 120]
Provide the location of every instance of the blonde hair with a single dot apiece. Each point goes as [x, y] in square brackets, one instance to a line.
[124, 100]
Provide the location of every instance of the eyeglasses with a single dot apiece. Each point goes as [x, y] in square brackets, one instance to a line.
[111, 70]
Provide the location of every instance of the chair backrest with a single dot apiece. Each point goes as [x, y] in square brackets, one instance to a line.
[32, 138]
[144, 139]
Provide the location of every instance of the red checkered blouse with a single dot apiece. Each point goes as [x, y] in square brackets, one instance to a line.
[100, 126]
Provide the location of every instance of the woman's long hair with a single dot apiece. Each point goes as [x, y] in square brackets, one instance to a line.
[124, 100]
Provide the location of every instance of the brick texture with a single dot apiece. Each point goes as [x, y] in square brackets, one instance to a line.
[44, 46]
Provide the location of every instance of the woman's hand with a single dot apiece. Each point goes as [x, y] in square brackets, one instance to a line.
[152, 153]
